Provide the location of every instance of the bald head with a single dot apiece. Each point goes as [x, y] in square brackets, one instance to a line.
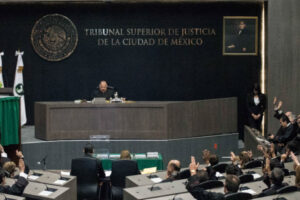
[173, 165]
[291, 116]
[103, 86]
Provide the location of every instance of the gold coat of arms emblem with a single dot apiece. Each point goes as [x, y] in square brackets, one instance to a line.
[54, 37]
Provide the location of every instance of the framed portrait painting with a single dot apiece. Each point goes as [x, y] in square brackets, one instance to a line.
[240, 35]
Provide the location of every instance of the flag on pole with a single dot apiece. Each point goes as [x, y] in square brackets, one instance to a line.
[18, 86]
[1, 76]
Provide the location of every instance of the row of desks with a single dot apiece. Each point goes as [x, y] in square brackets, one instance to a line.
[179, 187]
[63, 187]
[140, 187]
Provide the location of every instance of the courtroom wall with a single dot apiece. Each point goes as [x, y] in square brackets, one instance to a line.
[181, 71]
[283, 57]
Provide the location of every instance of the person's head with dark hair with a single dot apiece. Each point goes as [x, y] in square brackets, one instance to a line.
[202, 176]
[284, 121]
[277, 176]
[275, 163]
[89, 148]
[213, 159]
[242, 25]
[256, 89]
[232, 184]
[233, 170]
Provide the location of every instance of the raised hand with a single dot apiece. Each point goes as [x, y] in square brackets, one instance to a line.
[274, 101]
[1, 149]
[19, 154]
[206, 156]
[294, 158]
[279, 105]
[193, 166]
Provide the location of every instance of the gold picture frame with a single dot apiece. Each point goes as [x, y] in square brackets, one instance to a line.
[240, 35]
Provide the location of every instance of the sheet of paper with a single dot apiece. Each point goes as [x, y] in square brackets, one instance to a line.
[218, 174]
[140, 155]
[60, 182]
[149, 170]
[152, 154]
[250, 191]
[65, 173]
[156, 180]
[256, 176]
[114, 156]
[102, 155]
[32, 177]
[45, 193]
[107, 173]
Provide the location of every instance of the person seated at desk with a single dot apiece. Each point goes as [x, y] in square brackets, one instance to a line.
[210, 160]
[294, 145]
[276, 178]
[285, 134]
[103, 91]
[231, 185]
[173, 170]
[242, 159]
[88, 152]
[233, 169]
[21, 183]
[125, 155]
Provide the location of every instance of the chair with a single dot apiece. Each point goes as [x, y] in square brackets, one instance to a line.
[246, 178]
[238, 196]
[211, 184]
[85, 169]
[253, 164]
[287, 189]
[286, 172]
[184, 174]
[119, 170]
[221, 167]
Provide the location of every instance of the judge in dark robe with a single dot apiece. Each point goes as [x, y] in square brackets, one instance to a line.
[103, 90]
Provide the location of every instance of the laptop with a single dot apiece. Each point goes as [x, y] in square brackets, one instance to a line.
[99, 100]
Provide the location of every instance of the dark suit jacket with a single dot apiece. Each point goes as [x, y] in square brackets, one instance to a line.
[172, 178]
[97, 93]
[3, 160]
[122, 168]
[100, 170]
[201, 194]
[253, 108]
[15, 189]
[285, 134]
[211, 173]
[272, 190]
[278, 114]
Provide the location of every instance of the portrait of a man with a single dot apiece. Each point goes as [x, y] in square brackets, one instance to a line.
[240, 35]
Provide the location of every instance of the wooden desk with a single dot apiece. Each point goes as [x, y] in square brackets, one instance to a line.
[137, 120]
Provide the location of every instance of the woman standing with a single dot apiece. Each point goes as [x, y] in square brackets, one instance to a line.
[256, 105]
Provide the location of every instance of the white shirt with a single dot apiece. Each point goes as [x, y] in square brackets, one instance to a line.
[256, 100]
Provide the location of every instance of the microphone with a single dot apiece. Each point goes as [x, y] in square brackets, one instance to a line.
[47, 189]
[110, 87]
[154, 188]
[43, 161]
[174, 197]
